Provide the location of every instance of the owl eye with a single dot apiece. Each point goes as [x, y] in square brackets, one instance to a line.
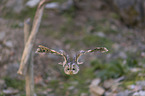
[67, 68]
[73, 69]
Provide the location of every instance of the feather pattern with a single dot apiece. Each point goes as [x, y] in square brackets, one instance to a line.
[43, 49]
[82, 52]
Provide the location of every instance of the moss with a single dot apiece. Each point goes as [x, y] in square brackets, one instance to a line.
[15, 26]
[97, 65]
[14, 83]
[23, 94]
[132, 78]
[72, 43]
[132, 62]
[54, 83]
[70, 12]
[102, 21]
[115, 16]
[101, 26]
[128, 83]
[113, 69]
[27, 13]
[2, 94]
[105, 28]
[68, 26]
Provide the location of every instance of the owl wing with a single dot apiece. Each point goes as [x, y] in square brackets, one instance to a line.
[101, 49]
[43, 49]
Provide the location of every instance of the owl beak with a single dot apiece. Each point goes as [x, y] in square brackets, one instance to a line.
[71, 72]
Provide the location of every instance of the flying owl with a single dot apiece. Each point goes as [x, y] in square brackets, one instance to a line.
[70, 66]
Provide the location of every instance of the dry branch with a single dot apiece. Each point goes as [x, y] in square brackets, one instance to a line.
[26, 30]
[29, 73]
[30, 42]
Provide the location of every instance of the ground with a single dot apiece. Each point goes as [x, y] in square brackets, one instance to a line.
[75, 29]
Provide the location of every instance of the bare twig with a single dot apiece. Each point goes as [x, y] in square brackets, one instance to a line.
[29, 73]
[26, 30]
[30, 78]
[30, 42]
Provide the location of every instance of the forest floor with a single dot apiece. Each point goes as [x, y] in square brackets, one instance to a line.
[85, 28]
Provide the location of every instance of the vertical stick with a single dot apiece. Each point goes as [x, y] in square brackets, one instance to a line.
[29, 77]
[30, 42]
[26, 30]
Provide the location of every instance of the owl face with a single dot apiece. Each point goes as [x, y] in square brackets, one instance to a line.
[71, 68]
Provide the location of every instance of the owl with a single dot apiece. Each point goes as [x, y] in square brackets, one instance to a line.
[70, 66]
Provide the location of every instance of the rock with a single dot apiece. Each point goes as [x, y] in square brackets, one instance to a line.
[74, 82]
[84, 94]
[110, 94]
[122, 55]
[21, 24]
[54, 5]
[140, 93]
[11, 70]
[15, 5]
[2, 36]
[141, 83]
[116, 46]
[95, 82]
[45, 92]
[131, 87]
[100, 34]
[136, 94]
[125, 93]
[120, 79]
[143, 54]
[71, 88]
[112, 84]
[10, 91]
[67, 5]
[135, 69]
[52, 94]
[32, 3]
[108, 83]
[2, 84]
[97, 91]
[132, 49]
[9, 44]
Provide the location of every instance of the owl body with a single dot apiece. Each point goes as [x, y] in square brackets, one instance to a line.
[70, 66]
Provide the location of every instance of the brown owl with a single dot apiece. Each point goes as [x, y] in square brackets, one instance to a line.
[70, 66]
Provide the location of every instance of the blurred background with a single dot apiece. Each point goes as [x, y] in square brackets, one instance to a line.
[74, 25]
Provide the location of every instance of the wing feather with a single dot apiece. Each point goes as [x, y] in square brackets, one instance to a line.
[43, 49]
[82, 52]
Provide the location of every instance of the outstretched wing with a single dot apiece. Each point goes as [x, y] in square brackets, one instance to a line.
[101, 49]
[43, 49]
